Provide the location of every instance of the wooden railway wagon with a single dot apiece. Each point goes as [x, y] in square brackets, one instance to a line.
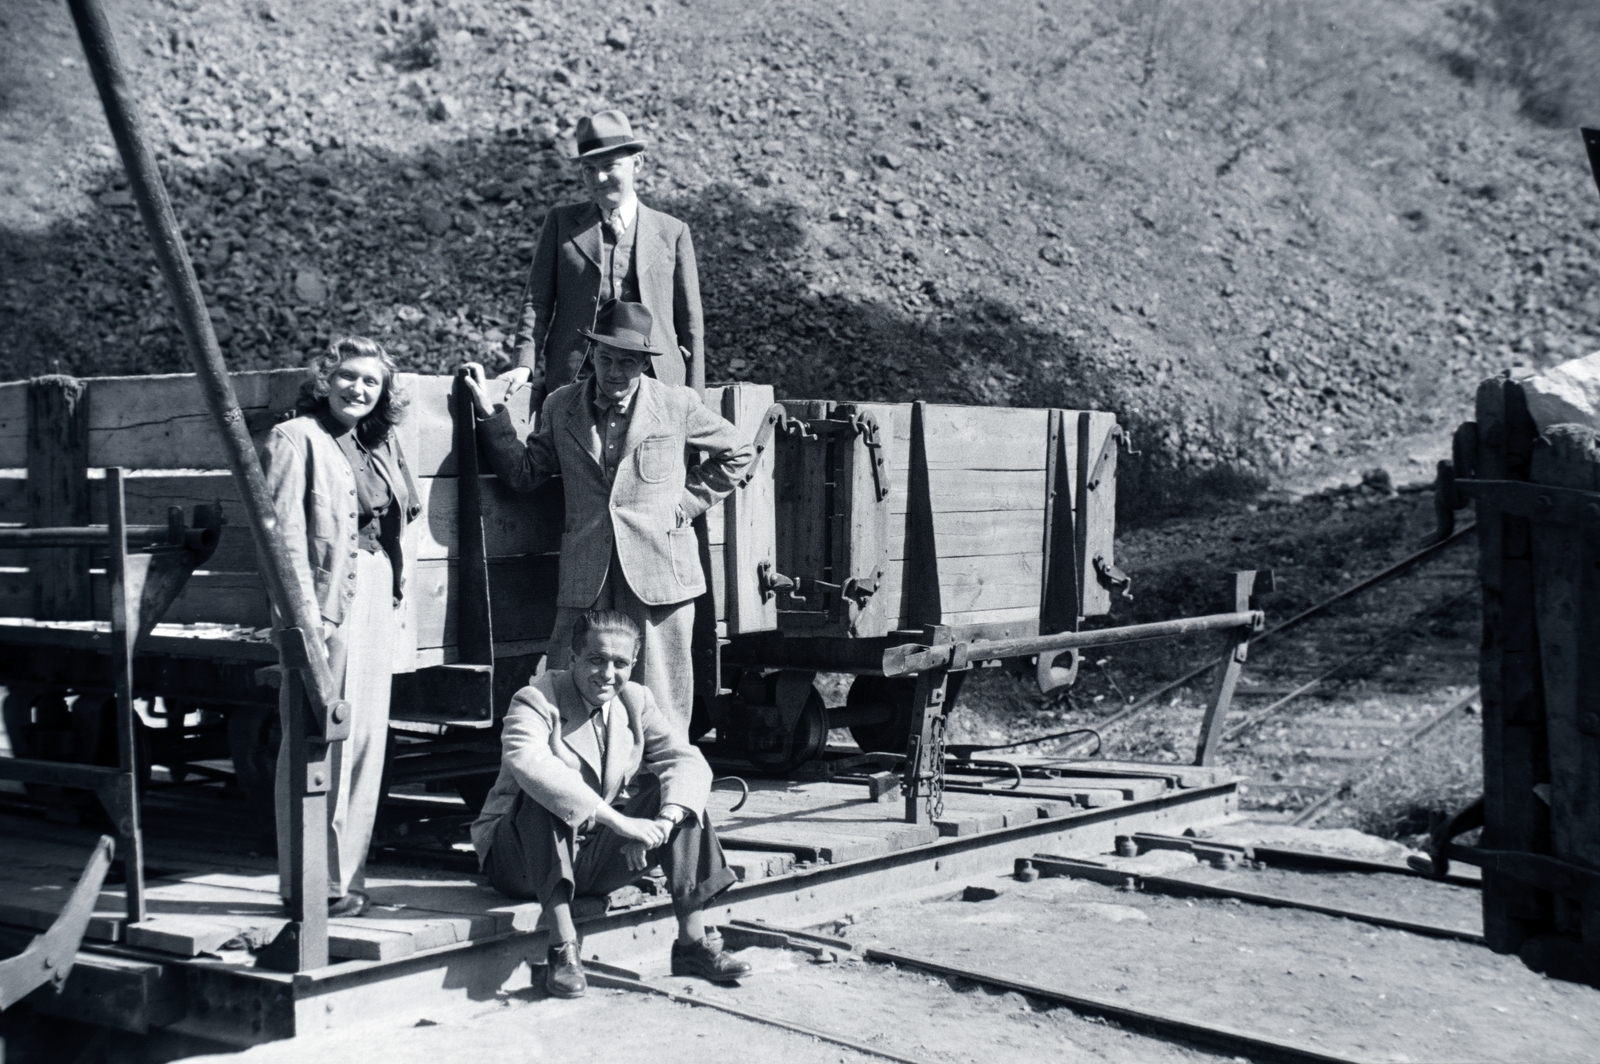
[898, 524]
[861, 527]
[207, 671]
[1534, 479]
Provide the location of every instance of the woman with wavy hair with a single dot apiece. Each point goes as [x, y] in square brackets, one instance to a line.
[344, 497]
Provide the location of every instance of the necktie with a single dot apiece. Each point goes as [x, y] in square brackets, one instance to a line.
[597, 720]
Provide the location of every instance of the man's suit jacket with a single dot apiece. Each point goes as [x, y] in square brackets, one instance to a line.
[548, 751]
[563, 292]
[646, 512]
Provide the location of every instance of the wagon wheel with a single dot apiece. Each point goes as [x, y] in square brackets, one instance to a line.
[898, 693]
[807, 742]
[39, 725]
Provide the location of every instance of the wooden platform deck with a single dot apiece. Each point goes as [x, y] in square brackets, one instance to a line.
[804, 851]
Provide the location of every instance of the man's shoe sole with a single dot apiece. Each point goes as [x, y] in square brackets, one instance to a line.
[731, 977]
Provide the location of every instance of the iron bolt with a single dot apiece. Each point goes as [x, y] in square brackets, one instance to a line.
[1544, 504]
[318, 779]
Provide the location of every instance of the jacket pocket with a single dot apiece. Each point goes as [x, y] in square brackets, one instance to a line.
[657, 457]
[685, 551]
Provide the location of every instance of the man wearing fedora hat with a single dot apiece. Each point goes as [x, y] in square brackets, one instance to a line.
[610, 248]
[620, 441]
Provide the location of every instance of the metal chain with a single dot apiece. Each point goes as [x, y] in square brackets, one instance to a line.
[936, 781]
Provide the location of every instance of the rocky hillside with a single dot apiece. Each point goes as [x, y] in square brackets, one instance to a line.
[1274, 237]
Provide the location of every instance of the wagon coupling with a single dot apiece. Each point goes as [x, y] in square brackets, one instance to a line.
[856, 589]
[900, 660]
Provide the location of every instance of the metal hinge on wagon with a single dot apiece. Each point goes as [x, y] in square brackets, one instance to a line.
[856, 589]
[864, 425]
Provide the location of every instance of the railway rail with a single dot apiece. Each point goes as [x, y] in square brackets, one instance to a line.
[1294, 669]
[1231, 1039]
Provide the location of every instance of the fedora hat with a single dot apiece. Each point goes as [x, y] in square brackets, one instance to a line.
[605, 133]
[627, 326]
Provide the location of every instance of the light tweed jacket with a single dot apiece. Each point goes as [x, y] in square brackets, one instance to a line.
[638, 513]
[548, 752]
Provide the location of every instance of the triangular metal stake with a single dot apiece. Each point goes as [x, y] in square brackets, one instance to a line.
[1591, 144]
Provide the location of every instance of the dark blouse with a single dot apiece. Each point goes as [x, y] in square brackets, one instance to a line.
[373, 497]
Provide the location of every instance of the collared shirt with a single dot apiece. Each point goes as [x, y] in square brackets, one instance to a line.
[611, 418]
[373, 497]
[625, 214]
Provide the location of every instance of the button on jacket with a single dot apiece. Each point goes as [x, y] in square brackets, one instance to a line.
[564, 286]
[638, 511]
[302, 461]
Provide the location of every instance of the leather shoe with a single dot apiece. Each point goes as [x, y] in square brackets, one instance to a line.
[352, 904]
[563, 974]
[705, 958]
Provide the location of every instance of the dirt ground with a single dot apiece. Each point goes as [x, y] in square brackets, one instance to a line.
[1337, 985]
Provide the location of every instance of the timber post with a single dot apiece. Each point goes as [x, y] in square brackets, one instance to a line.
[58, 495]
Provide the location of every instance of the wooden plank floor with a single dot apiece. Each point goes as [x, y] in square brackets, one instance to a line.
[212, 887]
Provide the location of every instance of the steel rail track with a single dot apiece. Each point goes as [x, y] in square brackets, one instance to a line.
[1210, 1036]
[1336, 794]
[1143, 702]
[615, 979]
[1381, 643]
[1215, 1037]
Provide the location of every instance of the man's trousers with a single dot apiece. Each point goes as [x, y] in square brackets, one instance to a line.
[533, 853]
[665, 665]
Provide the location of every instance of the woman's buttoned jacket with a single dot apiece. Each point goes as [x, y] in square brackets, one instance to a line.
[314, 499]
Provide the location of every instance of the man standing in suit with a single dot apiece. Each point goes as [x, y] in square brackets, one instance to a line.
[577, 744]
[620, 441]
[611, 248]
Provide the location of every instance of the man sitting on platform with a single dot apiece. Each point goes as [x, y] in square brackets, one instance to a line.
[576, 743]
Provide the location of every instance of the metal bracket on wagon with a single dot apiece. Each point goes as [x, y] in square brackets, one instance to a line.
[856, 589]
[1112, 578]
[866, 426]
[771, 421]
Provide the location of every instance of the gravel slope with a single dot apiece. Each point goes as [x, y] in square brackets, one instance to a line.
[1280, 240]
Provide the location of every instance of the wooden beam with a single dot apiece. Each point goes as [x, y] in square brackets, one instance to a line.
[58, 494]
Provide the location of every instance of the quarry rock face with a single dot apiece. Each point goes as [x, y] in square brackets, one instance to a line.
[1088, 207]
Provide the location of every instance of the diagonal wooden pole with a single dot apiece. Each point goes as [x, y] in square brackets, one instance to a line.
[144, 178]
[322, 717]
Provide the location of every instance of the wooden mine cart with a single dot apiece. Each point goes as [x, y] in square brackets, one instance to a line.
[872, 526]
[1537, 495]
[862, 526]
[865, 535]
[206, 675]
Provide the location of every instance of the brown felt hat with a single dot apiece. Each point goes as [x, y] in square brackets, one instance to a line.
[605, 133]
[626, 326]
